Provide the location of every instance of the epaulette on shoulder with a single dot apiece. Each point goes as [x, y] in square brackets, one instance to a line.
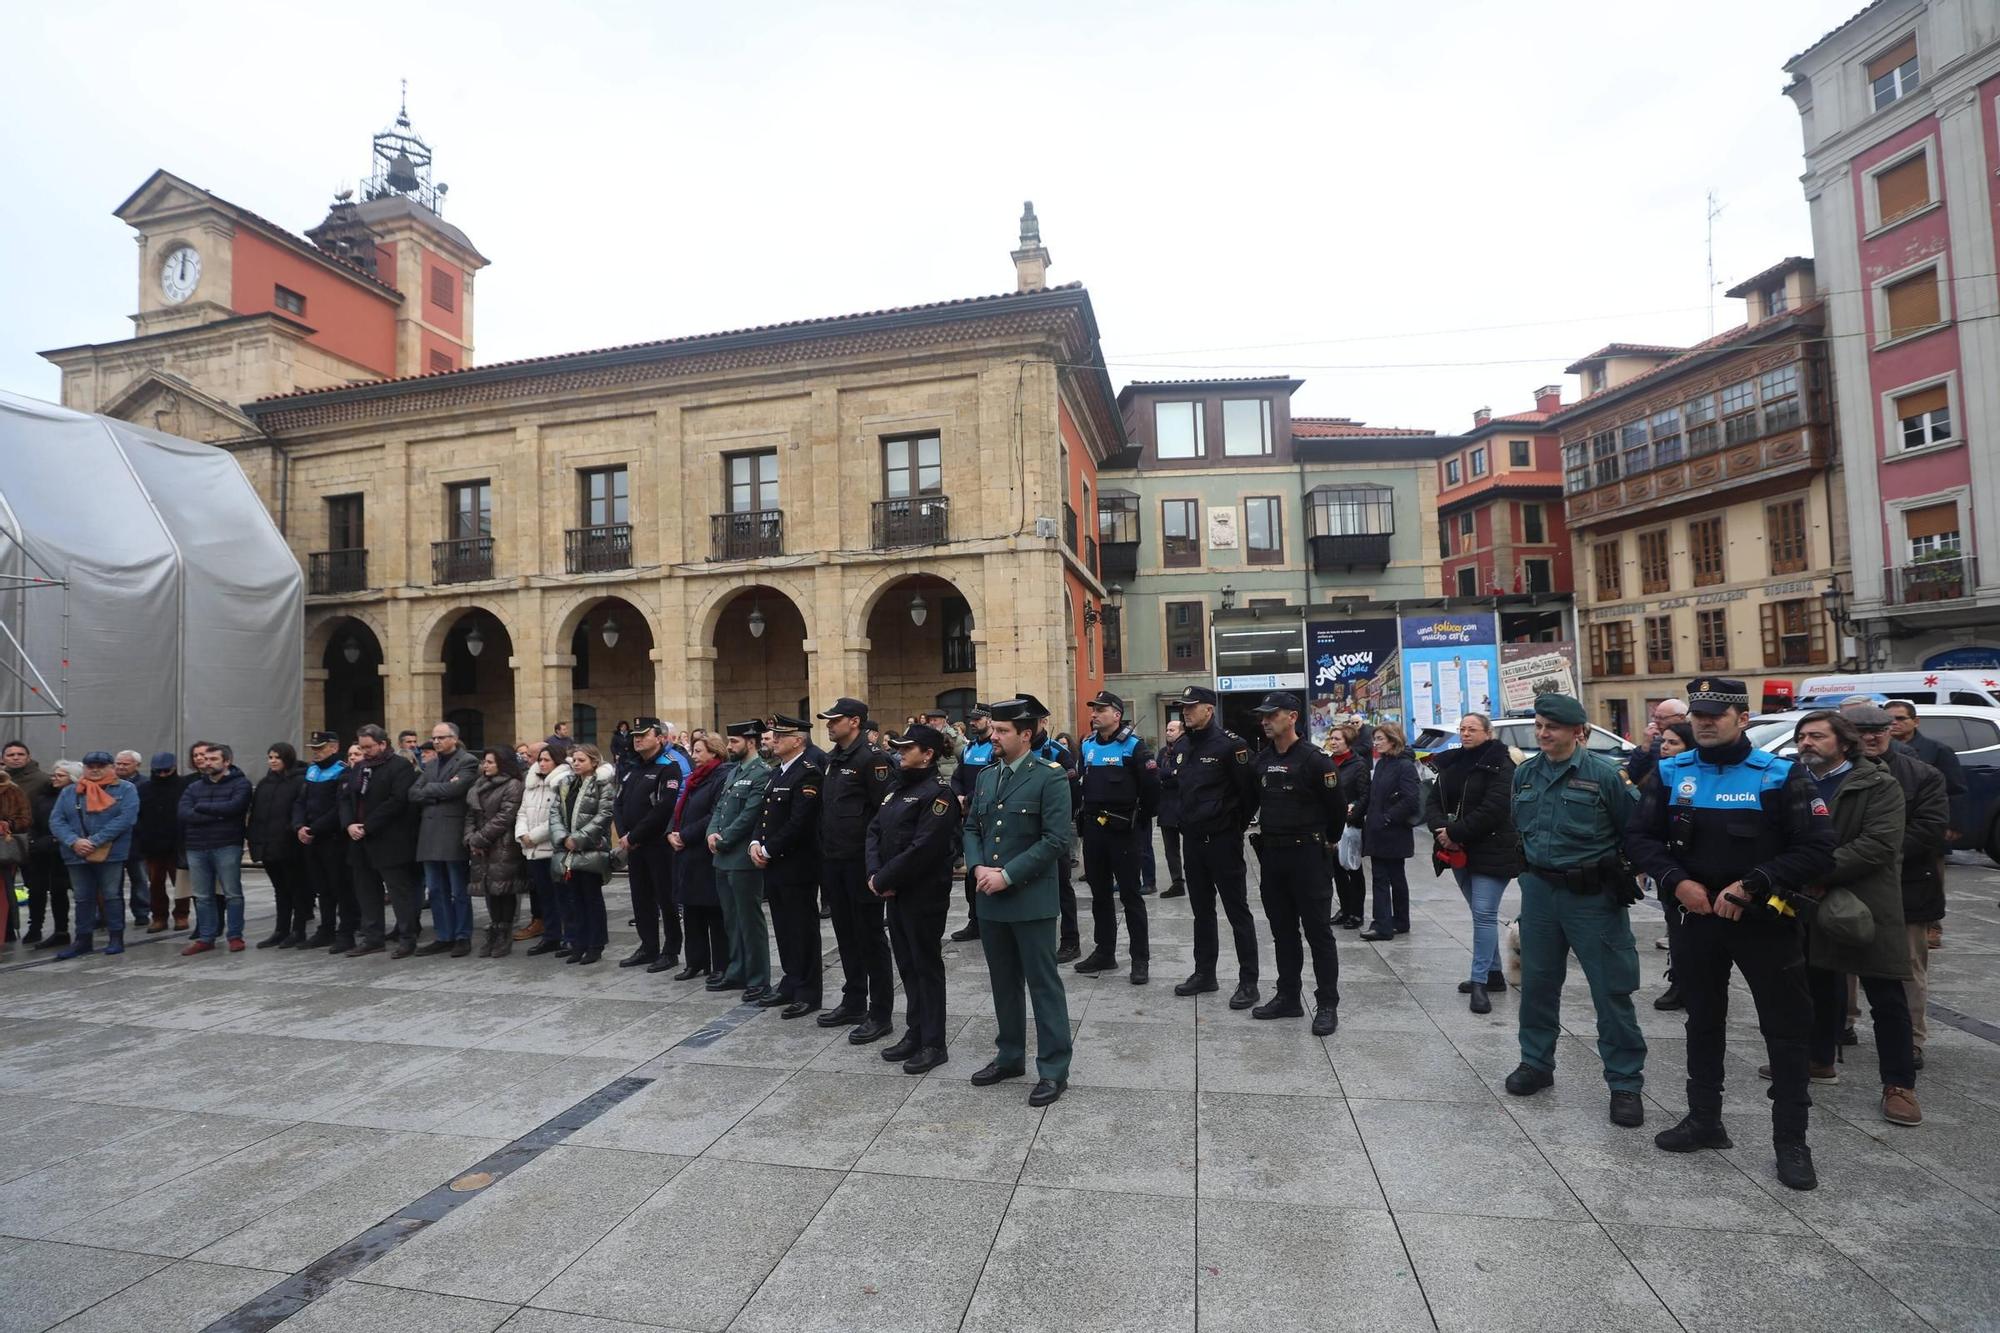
[1760, 759]
[1053, 764]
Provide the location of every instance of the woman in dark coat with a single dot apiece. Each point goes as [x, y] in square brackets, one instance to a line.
[694, 866]
[48, 879]
[274, 846]
[497, 868]
[1395, 798]
[1350, 769]
[1471, 815]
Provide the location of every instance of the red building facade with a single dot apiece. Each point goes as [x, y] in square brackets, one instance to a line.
[1500, 506]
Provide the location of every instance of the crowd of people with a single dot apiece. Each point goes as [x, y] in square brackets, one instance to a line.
[1819, 879]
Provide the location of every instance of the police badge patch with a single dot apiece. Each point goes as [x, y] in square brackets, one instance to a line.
[1818, 808]
[939, 807]
[1331, 779]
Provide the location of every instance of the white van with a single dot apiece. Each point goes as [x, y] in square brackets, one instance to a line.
[1964, 688]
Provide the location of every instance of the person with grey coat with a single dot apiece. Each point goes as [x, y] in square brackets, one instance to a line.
[498, 868]
[444, 779]
[580, 830]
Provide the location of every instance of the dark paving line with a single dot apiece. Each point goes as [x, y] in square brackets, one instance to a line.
[281, 1302]
[1977, 1027]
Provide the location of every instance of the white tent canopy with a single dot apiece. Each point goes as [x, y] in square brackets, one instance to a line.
[174, 610]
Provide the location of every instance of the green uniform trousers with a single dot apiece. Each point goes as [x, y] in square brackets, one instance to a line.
[741, 893]
[1555, 922]
[1023, 953]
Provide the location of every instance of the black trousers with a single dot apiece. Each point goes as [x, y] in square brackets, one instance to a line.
[331, 886]
[795, 924]
[292, 892]
[916, 934]
[868, 977]
[405, 887]
[1351, 886]
[1170, 836]
[1392, 894]
[1296, 883]
[1888, 1003]
[48, 887]
[1771, 956]
[1111, 861]
[1215, 869]
[707, 942]
[1065, 901]
[650, 875]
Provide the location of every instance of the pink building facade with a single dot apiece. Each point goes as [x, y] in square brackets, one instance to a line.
[1898, 108]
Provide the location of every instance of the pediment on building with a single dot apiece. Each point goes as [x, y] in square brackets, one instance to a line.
[163, 195]
[166, 402]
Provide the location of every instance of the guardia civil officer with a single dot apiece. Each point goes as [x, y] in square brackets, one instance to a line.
[645, 809]
[1118, 787]
[1218, 801]
[977, 754]
[1571, 806]
[912, 841]
[786, 848]
[1300, 816]
[1016, 829]
[857, 778]
[739, 884]
[1725, 828]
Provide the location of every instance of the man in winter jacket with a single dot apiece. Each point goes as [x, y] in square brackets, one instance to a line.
[1926, 817]
[96, 812]
[129, 766]
[380, 824]
[316, 825]
[645, 810]
[212, 811]
[157, 841]
[444, 779]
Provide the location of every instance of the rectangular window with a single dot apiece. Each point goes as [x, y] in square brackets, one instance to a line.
[1353, 511]
[1779, 390]
[1478, 461]
[1520, 454]
[1892, 75]
[751, 481]
[287, 299]
[1931, 529]
[344, 531]
[1698, 418]
[912, 466]
[444, 289]
[1177, 430]
[1246, 427]
[1180, 533]
[1611, 649]
[1117, 518]
[1659, 645]
[1924, 417]
[1610, 575]
[1263, 530]
[1632, 443]
[1711, 632]
[1468, 526]
[604, 497]
[1794, 633]
[440, 363]
[1912, 303]
[1533, 533]
[1705, 550]
[1774, 301]
[1655, 574]
[1468, 582]
[1451, 477]
[1604, 457]
[1665, 428]
[1576, 467]
[1541, 575]
[1114, 638]
[1444, 536]
[1186, 640]
[1785, 534]
[1903, 188]
[1739, 412]
[468, 510]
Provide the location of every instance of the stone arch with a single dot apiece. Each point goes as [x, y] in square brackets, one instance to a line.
[963, 577]
[319, 633]
[706, 614]
[909, 664]
[440, 621]
[566, 614]
[749, 674]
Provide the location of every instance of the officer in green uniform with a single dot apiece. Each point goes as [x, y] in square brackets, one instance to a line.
[739, 884]
[1570, 808]
[1017, 824]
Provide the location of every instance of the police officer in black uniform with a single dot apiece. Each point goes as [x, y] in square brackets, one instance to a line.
[977, 754]
[1118, 787]
[648, 791]
[857, 778]
[1068, 945]
[786, 848]
[1300, 814]
[1218, 801]
[316, 824]
[1170, 811]
[912, 842]
[1725, 829]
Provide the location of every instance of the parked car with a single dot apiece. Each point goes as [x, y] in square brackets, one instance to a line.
[1519, 733]
[1973, 732]
[1923, 688]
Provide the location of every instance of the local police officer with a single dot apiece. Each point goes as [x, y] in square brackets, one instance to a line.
[1218, 801]
[857, 778]
[316, 824]
[739, 884]
[645, 809]
[1570, 808]
[1726, 829]
[1300, 817]
[1048, 747]
[1016, 829]
[912, 841]
[1118, 786]
[786, 849]
[977, 754]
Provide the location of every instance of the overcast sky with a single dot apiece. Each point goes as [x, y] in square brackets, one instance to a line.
[1416, 220]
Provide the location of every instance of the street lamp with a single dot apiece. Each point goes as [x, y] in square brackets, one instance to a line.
[1228, 597]
[609, 632]
[351, 650]
[756, 621]
[475, 642]
[918, 611]
[1834, 598]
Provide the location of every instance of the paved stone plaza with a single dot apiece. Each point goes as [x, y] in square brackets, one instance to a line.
[229, 1140]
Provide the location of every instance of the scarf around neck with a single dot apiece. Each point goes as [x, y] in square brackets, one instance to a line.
[96, 796]
[700, 775]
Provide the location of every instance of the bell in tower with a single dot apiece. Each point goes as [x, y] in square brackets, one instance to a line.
[402, 163]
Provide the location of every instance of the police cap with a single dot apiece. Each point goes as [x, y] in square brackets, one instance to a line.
[1560, 709]
[750, 730]
[1711, 695]
[923, 734]
[1105, 699]
[1198, 694]
[1278, 702]
[784, 724]
[1023, 709]
[845, 707]
[648, 724]
[314, 739]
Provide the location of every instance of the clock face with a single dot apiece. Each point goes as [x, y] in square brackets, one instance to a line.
[179, 273]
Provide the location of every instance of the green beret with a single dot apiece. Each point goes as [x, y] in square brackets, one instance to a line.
[1560, 708]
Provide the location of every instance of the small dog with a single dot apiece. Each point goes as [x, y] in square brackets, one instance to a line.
[1510, 942]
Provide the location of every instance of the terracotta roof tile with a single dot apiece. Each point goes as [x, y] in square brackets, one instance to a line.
[1780, 269]
[1328, 428]
[1722, 339]
[1622, 349]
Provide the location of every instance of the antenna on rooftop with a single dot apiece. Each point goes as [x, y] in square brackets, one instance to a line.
[1715, 207]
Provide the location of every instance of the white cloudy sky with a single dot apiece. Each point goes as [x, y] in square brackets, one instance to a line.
[1419, 209]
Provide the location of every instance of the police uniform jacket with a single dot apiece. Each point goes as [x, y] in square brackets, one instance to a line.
[1472, 801]
[1169, 813]
[1118, 782]
[317, 805]
[913, 838]
[1571, 817]
[739, 807]
[788, 825]
[1926, 815]
[1218, 790]
[858, 776]
[1019, 820]
[1867, 861]
[1729, 813]
[647, 792]
[1298, 796]
[976, 755]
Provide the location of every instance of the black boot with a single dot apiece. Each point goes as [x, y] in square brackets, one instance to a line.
[1795, 1167]
[1672, 999]
[1696, 1130]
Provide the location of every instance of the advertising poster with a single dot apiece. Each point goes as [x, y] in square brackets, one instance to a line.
[1352, 667]
[1451, 662]
[1529, 669]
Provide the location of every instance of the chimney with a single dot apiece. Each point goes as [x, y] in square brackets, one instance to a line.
[1481, 415]
[1031, 261]
[1549, 398]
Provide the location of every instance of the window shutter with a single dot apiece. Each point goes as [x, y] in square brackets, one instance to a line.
[1931, 520]
[1933, 399]
[1767, 616]
[1913, 303]
[1894, 58]
[1597, 650]
[1903, 188]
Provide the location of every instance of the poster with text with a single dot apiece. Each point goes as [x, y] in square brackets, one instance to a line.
[1351, 668]
[1529, 669]
[1451, 662]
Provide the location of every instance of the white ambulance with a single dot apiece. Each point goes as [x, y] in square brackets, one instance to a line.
[1968, 689]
